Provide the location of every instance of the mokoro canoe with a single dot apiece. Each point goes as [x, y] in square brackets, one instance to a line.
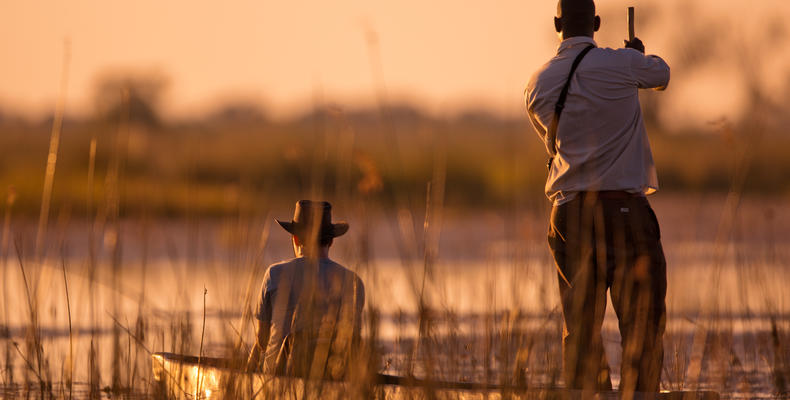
[183, 376]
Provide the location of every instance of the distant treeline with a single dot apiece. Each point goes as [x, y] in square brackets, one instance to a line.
[236, 159]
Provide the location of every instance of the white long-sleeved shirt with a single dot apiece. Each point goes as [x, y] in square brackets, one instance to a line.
[601, 138]
[338, 297]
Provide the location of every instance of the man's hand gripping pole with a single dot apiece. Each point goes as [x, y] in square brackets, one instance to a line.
[633, 42]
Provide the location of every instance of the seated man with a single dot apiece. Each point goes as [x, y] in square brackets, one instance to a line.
[310, 309]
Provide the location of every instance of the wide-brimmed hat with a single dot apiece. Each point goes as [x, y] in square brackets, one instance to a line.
[306, 214]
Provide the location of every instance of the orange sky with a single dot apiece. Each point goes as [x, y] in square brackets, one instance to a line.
[442, 54]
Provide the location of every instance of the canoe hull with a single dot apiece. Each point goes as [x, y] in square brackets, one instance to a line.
[180, 376]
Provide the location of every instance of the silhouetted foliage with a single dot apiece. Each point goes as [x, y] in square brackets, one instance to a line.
[236, 112]
[132, 97]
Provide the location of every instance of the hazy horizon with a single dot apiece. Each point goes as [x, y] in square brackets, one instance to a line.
[287, 57]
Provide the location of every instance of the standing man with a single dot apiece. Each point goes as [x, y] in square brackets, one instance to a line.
[603, 233]
[310, 310]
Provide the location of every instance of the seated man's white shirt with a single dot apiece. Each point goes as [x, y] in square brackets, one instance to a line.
[337, 298]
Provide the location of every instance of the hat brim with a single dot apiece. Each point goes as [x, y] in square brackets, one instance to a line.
[334, 230]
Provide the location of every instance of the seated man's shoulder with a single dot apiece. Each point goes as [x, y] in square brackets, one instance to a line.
[353, 276]
[285, 263]
[277, 269]
[347, 274]
[345, 269]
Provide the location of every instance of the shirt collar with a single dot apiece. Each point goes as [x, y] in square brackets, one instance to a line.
[574, 41]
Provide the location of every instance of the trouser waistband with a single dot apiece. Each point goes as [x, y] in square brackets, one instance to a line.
[612, 194]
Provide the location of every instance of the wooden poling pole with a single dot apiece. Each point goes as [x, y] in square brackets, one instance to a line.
[631, 34]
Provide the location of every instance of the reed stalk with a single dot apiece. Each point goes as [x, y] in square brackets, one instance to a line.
[34, 334]
[8, 377]
[94, 377]
[70, 370]
[52, 155]
[198, 392]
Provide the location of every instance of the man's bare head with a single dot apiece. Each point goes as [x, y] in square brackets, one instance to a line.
[576, 18]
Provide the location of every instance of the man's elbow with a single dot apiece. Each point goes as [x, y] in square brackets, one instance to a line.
[652, 72]
[664, 81]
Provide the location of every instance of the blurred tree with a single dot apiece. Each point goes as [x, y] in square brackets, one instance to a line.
[136, 95]
[702, 40]
[238, 111]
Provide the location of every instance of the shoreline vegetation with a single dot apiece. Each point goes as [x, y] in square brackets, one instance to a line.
[236, 157]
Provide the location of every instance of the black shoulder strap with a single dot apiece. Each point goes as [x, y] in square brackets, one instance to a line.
[551, 135]
[564, 93]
